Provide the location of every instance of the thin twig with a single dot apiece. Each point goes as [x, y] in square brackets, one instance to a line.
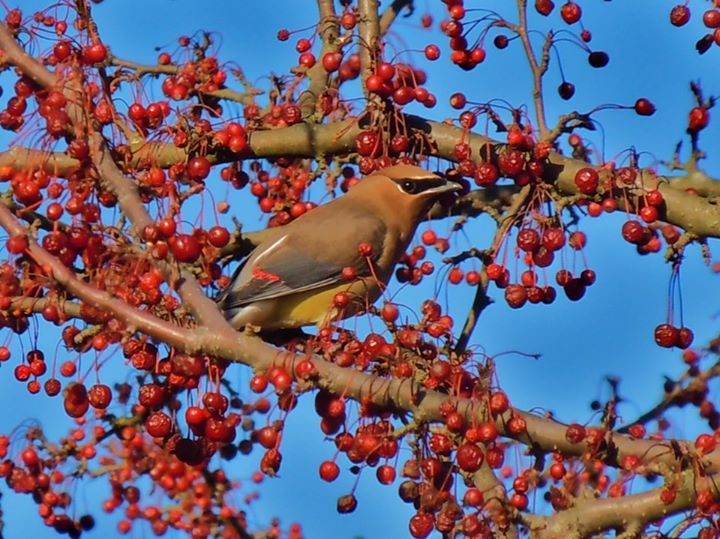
[392, 12]
[318, 77]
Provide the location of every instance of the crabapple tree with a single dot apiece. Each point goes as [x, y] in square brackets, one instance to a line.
[120, 182]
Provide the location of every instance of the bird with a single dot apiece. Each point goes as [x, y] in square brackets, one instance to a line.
[349, 245]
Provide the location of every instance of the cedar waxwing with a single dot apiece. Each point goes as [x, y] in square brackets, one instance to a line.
[292, 277]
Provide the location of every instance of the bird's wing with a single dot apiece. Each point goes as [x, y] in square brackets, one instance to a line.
[295, 262]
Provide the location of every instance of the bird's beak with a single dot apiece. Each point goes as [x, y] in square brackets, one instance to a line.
[447, 187]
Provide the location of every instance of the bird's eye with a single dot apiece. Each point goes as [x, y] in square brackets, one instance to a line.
[409, 187]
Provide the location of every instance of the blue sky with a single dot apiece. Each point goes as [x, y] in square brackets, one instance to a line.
[608, 332]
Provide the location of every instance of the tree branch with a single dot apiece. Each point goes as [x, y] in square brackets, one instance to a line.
[318, 77]
[369, 33]
[132, 317]
[391, 13]
[625, 512]
[203, 308]
[537, 70]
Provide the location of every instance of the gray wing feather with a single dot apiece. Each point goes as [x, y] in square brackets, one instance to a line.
[285, 267]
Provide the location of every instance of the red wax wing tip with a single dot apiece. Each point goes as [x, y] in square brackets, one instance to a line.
[260, 273]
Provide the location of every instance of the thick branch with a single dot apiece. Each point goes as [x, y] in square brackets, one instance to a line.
[26, 63]
[123, 187]
[388, 393]
[689, 210]
[132, 317]
[626, 512]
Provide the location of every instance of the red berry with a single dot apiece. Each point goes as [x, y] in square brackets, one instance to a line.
[100, 396]
[706, 443]
[598, 59]
[511, 162]
[649, 214]
[198, 168]
[365, 249]
[331, 61]
[698, 119]
[29, 457]
[348, 20]
[218, 236]
[307, 59]
[17, 244]
[486, 174]
[385, 474]
[566, 90]
[303, 45]
[634, 232]
[468, 119]
[587, 180]
[432, 52]
[666, 335]
[499, 403]
[429, 237]
[528, 239]
[390, 312]
[557, 471]
[469, 457]
[679, 15]
[515, 295]
[519, 501]
[158, 424]
[711, 18]
[570, 12]
[455, 276]
[574, 289]
[544, 7]
[93, 54]
[644, 107]
[685, 338]
[477, 55]
[575, 433]
[421, 524]
[62, 50]
[329, 471]
[457, 100]
[472, 277]
[185, 247]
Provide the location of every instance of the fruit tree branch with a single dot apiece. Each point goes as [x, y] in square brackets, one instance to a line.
[140, 70]
[328, 29]
[630, 512]
[686, 209]
[394, 394]
[537, 69]
[681, 393]
[123, 187]
[391, 13]
[131, 316]
[15, 55]
[403, 394]
[369, 33]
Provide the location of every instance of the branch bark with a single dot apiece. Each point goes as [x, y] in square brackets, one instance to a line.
[124, 188]
[369, 33]
[391, 13]
[632, 512]
[318, 77]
